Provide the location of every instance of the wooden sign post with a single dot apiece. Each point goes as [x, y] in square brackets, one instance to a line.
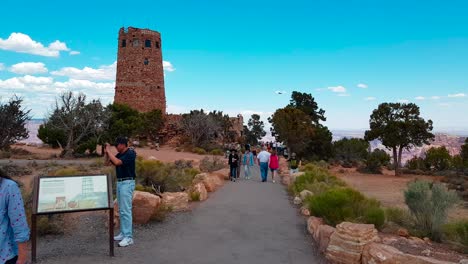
[71, 194]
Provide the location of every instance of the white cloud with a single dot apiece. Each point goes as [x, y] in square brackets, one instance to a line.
[403, 101]
[27, 83]
[2, 66]
[168, 66]
[23, 43]
[104, 73]
[28, 68]
[362, 85]
[343, 94]
[420, 98]
[371, 98]
[337, 89]
[457, 95]
[435, 97]
[74, 52]
[28, 79]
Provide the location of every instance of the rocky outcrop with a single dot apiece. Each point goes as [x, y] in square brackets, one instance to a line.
[312, 226]
[375, 253]
[176, 201]
[144, 205]
[348, 241]
[323, 235]
[222, 174]
[201, 190]
[211, 182]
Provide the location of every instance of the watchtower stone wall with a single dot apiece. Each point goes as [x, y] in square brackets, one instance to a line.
[140, 74]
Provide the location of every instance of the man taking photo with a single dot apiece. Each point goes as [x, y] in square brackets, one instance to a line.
[124, 163]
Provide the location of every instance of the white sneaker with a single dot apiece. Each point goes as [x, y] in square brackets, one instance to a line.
[274, 181]
[119, 237]
[126, 242]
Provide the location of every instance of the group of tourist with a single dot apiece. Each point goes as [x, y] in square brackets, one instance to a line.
[266, 160]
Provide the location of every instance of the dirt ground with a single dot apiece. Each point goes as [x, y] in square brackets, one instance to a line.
[388, 188]
[165, 154]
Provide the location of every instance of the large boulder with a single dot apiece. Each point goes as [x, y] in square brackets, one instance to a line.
[312, 225]
[324, 233]
[201, 190]
[144, 205]
[211, 182]
[375, 253]
[223, 174]
[348, 241]
[176, 201]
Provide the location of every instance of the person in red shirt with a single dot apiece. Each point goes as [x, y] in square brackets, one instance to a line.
[274, 164]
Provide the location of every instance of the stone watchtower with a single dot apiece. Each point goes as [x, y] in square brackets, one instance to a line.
[140, 75]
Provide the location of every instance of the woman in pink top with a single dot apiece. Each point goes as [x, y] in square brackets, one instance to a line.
[274, 164]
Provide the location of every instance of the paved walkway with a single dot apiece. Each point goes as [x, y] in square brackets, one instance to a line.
[244, 222]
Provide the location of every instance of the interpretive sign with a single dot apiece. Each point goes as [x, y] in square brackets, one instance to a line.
[60, 194]
[69, 194]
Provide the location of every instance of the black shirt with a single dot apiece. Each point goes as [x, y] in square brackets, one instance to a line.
[127, 169]
[233, 160]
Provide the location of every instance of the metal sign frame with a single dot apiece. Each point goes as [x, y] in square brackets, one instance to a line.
[35, 213]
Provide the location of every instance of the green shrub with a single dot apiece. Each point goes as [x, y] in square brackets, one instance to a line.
[429, 204]
[457, 233]
[210, 164]
[314, 174]
[217, 152]
[345, 204]
[376, 160]
[399, 216]
[169, 177]
[438, 159]
[375, 215]
[416, 163]
[317, 187]
[183, 164]
[199, 151]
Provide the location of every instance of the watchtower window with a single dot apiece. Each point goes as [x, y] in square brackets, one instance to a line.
[158, 45]
[124, 43]
[136, 43]
[148, 43]
[146, 62]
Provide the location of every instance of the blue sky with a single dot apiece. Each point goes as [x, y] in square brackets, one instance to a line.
[234, 55]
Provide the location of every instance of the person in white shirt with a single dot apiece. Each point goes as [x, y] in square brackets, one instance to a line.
[263, 160]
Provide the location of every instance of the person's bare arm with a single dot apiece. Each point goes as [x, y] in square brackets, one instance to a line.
[22, 253]
[114, 160]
